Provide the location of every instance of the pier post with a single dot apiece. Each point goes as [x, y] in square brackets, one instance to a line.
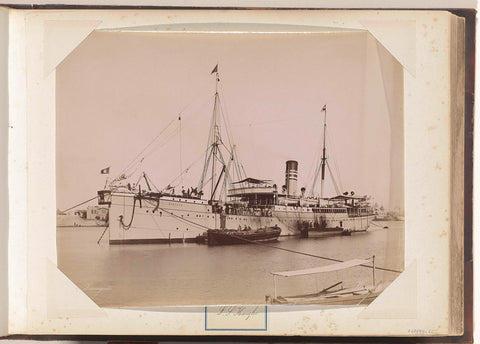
[169, 239]
[373, 260]
[275, 286]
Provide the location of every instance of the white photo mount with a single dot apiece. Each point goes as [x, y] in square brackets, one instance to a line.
[40, 40]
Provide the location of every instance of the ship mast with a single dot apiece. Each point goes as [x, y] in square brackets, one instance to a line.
[215, 131]
[324, 163]
[324, 158]
[214, 142]
[217, 149]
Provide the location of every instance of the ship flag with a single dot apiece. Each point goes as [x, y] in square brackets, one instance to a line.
[324, 107]
[105, 170]
[215, 70]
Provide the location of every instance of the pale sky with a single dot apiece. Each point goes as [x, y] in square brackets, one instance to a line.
[117, 91]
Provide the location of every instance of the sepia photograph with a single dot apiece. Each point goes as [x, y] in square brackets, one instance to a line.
[200, 168]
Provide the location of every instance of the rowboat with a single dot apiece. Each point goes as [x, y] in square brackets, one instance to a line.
[335, 294]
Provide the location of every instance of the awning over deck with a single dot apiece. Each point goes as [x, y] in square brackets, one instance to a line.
[253, 181]
[327, 268]
[344, 197]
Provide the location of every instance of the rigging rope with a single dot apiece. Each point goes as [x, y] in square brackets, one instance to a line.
[162, 144]
[150, 181]
[304, 253]
[185, 220]
[238, 165]
[226, 121]
[267, 122]
[315, 162]
[101, 236]
[206, 163]
[130, 164]
[311, 255]
[187, 169]
[335, 165]
[146, 147]
[79, 204]
[333, 180]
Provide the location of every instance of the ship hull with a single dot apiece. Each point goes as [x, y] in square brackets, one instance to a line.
[172, 219]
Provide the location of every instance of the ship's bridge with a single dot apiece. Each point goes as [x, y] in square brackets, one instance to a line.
[251, 187]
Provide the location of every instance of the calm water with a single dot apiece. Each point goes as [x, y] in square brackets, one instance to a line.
[181, 274]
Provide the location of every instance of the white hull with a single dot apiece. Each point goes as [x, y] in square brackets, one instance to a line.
[174, 219]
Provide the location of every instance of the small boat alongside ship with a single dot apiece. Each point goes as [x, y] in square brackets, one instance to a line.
[215, 237]
[335, 294]
[226, 199]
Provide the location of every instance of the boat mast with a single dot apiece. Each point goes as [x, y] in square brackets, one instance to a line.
[215, 131]
[324, 158]
[214, 150]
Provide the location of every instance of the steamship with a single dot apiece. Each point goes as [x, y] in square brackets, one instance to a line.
[142, 213]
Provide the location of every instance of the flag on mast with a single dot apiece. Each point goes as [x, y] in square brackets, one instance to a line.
[215, 70]
[105, 170]
[324, 107]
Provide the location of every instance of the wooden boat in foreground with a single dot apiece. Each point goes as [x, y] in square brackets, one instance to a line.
[334, 294]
